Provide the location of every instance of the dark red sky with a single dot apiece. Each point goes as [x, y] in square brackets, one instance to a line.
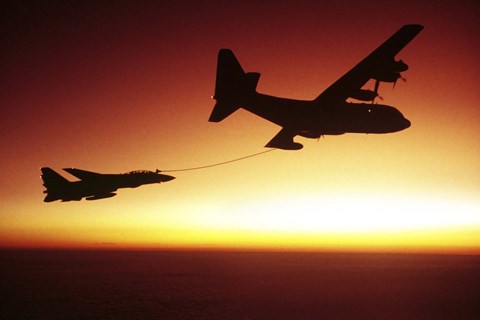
[117, 86]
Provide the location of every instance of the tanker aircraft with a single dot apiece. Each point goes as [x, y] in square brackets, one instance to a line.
[330, 113]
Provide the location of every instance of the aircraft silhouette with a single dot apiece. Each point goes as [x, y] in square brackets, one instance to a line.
[329, 113]
[93, 185]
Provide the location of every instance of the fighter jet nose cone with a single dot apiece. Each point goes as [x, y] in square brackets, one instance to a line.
[166, 178]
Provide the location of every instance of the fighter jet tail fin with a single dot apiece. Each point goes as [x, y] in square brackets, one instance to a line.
[52, 180]
[232, 87]
[51, 197]
[54, 184]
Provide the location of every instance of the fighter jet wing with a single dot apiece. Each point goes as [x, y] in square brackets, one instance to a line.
[378, 61]
[83, 174]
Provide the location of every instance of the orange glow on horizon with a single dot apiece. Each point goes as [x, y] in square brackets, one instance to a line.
[129, 88]
[293, 224]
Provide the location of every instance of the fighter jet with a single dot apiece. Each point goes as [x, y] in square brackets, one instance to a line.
[93, 185]
[330, 113]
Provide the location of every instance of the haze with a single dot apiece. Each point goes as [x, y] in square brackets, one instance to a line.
[118, 87]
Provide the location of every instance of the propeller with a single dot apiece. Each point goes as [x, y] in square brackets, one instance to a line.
[401, 78]
[377, 85]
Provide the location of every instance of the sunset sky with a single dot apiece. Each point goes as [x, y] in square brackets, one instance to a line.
[117, 86]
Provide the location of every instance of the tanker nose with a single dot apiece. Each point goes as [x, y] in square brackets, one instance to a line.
[406, 123]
